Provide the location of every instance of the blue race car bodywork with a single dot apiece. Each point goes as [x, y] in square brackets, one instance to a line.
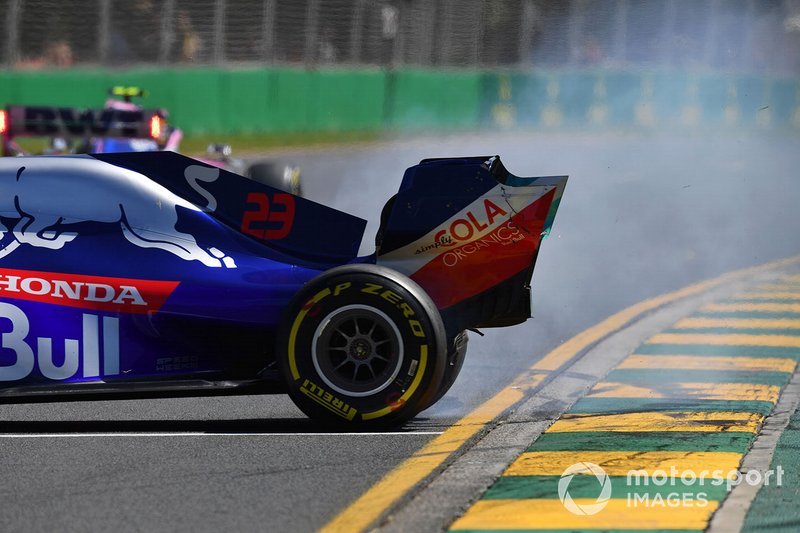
[155, 274]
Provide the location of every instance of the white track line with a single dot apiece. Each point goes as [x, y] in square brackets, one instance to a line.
[201, 434]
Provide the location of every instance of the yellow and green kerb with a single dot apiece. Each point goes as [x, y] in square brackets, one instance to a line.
[680, 413]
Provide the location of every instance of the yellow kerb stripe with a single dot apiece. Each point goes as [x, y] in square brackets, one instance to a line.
[694, 362]
[651, 421]
[695, 391]
[726, 340]
[619, 463]
[738, 323]
[551, 514]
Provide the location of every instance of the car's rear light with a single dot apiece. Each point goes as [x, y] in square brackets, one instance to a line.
[3, 121]
[155, 127]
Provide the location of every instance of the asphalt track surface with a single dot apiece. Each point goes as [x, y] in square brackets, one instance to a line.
[641, 216]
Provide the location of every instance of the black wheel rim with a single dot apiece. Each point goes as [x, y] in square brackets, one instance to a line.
[357, 350]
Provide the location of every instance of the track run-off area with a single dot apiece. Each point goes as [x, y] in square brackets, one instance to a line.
[665, 331]
[691, 398]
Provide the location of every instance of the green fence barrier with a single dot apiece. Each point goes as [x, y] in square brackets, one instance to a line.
[608, 99]
[422, 99]
[68, 88]
[785, 103]
[222, 101]
[219, 101]
[347, 100]
[245, 103]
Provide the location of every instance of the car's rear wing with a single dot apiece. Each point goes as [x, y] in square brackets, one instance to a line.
[468, 231]
[74, 123]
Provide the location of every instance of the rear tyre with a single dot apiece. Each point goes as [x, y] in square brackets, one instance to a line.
[362, 346]
[456, 352]
[277, 175]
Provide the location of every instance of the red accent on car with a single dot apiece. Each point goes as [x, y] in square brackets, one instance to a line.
[464, 270]
[99, 293]
[261, 222]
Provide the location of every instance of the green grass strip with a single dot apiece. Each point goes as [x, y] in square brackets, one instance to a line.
[776, 508]
[643, 441]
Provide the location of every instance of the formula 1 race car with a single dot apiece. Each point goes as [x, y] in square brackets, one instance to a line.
[152, 274]
[124, 126]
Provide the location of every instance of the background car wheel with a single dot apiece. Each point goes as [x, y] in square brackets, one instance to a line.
[362, 345]
[277, 175]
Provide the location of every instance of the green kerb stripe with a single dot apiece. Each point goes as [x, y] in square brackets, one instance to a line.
[659, 375]
[644, 441]
[587, 486]
[745, 314]
[723, 350]
[736, 331]
[745, 301]
[631, 405]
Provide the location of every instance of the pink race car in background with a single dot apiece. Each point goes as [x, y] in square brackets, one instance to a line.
[125, 126]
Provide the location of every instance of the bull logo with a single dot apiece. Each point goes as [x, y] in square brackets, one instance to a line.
[35, 197]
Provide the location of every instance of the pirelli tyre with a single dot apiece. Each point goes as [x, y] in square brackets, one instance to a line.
[363, 346]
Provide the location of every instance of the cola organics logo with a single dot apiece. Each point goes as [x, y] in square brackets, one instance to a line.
[585, 509]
